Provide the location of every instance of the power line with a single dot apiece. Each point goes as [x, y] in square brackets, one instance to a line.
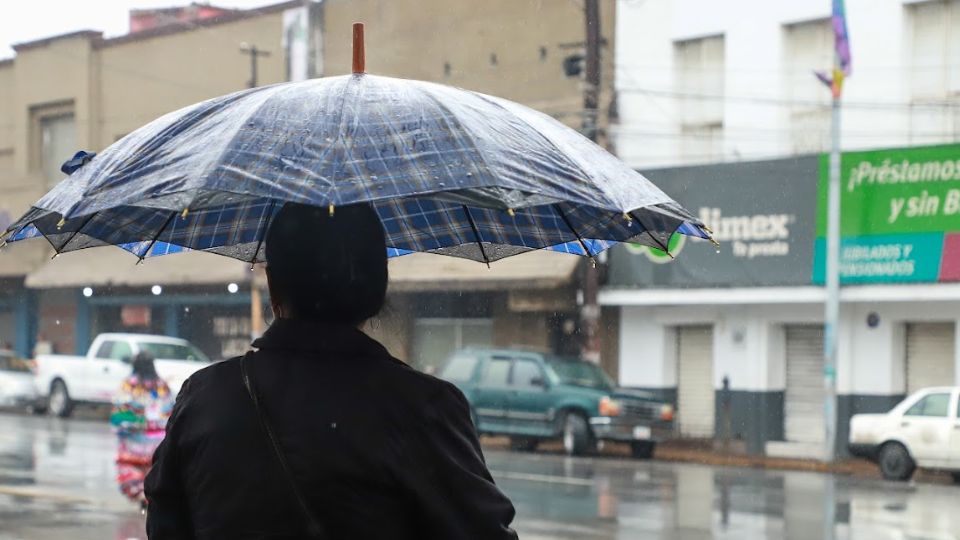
[641, 127]
[634, 87]
[777, 70]
[770, 100]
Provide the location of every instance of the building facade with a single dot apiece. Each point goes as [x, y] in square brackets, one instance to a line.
[734, 335]
[84, 91]
[722, 109]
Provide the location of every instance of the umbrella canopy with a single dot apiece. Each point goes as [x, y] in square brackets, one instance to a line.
[448, 170]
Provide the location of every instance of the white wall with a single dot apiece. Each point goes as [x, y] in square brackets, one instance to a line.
[875, 94]
[749, 341]
[647, 352]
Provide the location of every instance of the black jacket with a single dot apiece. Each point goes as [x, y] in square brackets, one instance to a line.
[378, 449]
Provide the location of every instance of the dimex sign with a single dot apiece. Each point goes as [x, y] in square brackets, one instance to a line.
[761, 213]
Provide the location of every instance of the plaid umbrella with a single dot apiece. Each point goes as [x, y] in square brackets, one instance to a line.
[449, 171]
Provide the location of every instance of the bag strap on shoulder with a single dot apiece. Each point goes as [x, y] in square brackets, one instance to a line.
[314, 529]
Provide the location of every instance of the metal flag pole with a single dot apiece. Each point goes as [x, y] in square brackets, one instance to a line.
[832, 315]
[841, 67]
[832, 307]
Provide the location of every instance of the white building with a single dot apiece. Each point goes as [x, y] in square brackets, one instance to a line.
[704, 82]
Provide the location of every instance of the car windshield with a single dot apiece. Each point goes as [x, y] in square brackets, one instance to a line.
[174, 351]
[460, 368]
[579, 373]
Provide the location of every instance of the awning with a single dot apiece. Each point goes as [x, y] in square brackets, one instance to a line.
[113, 266]
[21, 258]
[416, 272]
[533, 270]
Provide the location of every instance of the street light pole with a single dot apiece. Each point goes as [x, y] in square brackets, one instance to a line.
[590, 310]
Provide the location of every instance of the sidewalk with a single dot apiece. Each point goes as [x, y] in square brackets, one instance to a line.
[702, 453]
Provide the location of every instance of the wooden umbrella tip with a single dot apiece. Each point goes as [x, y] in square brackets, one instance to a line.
[359, 54]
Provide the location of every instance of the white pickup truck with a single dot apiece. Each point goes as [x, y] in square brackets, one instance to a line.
[96, 377]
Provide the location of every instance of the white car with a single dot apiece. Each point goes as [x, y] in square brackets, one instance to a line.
[96, 377]
[16, 381]
[923, 430]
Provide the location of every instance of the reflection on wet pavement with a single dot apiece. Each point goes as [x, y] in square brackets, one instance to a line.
[57, 481]
[624, 499]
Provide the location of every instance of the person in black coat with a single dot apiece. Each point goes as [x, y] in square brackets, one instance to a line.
[349, 442]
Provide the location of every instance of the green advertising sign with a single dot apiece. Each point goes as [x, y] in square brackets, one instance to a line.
[898, 210]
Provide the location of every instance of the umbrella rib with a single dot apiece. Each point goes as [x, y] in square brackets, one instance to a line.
[331, 191]
[655, 239]
[157, 236]
[451, 118]
[476, 233]
[570, 161]
[75, 233]
[563, 216]
[262, 235]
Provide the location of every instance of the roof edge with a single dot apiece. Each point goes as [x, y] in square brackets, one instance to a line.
[95, 35]
[178, 27]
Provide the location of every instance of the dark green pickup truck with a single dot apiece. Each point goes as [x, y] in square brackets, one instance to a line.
[533, 396]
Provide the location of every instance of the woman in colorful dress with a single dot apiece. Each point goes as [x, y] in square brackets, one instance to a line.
[139, 417]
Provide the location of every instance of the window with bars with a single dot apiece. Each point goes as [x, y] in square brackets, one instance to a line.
[700, 85]
[808, 47]
[54, 139]
[934, 64]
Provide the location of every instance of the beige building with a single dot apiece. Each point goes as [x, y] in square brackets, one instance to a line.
[84, 91]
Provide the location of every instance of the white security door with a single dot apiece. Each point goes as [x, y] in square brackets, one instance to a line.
[695, 392]
[930, 355]
[803, 400]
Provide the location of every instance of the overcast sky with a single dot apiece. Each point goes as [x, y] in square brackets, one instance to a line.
[26, 20]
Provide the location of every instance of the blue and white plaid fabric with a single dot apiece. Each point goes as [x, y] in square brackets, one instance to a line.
[449, 171]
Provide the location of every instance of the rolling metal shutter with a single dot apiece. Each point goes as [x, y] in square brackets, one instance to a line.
[930, 355]
[695, 392]
[803, 400]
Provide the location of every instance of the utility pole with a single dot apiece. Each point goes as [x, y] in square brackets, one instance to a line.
[256, 305]
[591, 89]
[254, 53]
[590, 310]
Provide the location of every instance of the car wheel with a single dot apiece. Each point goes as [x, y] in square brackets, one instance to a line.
[58, 403]
[956, 477]
[576, 434]
[523, 444]
[895, 462]
[642, 449]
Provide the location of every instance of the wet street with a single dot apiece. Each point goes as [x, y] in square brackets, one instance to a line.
[56, 481]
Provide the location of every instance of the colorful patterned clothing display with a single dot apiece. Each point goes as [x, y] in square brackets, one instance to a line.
[139, 417]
